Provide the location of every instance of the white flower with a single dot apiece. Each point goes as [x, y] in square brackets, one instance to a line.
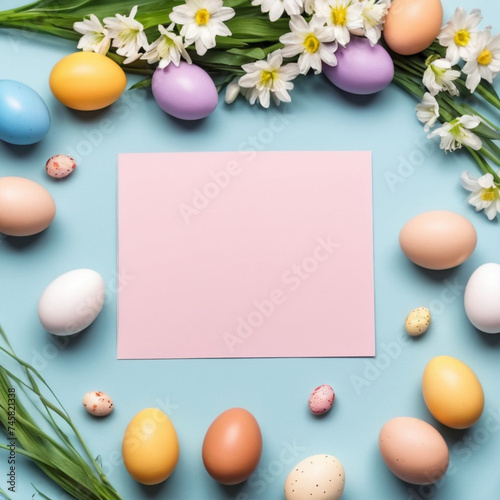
[439, 76]
[127, 34]
[428, 111]
[277, 7]
[269, 78]
[485, 194]
[309, 6]
[373, 15]
[483, 61]
[233, 89]
[202, 21]
[457, 132]
[458, 33]
[342, 15]
[95, 36]
[308, 40]
[166, 49]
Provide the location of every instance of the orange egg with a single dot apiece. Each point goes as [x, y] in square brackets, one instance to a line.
[232, 446]
[87, 81]
[412, 25]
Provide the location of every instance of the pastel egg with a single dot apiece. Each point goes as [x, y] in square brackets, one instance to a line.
[413, 450]
[60, 166]
[71, 302]
[452, 392]
[87, 81]
[361, 68]
[24, 116]
[185, 91]
[411, 26]
[482, 298]
[318, 477]
[150, 447]
[438, 239]
[26, 208]
[97, 403]
[418, 321]
[321, 399]
[232, 446]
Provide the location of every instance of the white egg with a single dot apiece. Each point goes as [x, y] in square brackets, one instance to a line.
[316, 477]
[71, 302]
[482, 298]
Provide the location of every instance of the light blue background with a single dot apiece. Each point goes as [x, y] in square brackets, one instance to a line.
[193, 392]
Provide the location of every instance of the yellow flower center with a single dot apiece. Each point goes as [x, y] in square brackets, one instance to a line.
[339, 15]
[311, 43]
[484, 57]
[462, 37]
[202, 17]
[267, 78]
[488, 194]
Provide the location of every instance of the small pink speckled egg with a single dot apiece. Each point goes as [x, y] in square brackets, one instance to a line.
[321, 399]
[60, 166]
[98, 403]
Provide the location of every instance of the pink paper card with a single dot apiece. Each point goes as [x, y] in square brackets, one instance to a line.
[245, 254]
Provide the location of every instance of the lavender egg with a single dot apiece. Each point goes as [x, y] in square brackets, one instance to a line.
[361, 68]
[185, 91]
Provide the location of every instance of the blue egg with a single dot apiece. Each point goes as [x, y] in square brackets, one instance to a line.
[24, 116]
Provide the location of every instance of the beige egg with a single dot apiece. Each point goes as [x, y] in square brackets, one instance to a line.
[418, 321]
[98, 403]
[318, 477]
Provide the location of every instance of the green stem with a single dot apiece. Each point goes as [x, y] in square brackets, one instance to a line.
[490, 155]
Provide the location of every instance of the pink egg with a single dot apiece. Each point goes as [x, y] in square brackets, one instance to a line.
[321, 399]
[185, 91]
[60, 166]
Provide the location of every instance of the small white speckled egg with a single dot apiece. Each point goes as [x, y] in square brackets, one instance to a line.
[418, 321]
[321, 399]
[319, 477]
[60, 166]
[98, 403]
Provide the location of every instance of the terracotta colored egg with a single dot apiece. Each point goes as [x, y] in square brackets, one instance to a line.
[26, 208]
[438, 240]
[452, 392]
[413, 450]
[412, 25]
[150, 447]
[232, 446]
[87, 81]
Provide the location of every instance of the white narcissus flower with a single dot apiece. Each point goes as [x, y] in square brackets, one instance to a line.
[485, 194]
[127, 34]
[308, 40]
[277, 7]
[428, 111]
[269, 78]
[202, 21]
[439, 76]
[373, 15]
[342, 15]
[166, 49]
[456, 133]
[95, 36]
[458, 34]
[483, 61]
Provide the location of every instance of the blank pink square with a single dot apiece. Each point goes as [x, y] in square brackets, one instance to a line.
[245, 254]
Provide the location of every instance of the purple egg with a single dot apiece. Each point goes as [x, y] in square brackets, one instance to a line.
[185, 91]
[361, 68]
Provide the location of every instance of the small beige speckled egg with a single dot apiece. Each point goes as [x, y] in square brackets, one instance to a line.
[418, 321]
[60, 166]
[98, 403]
[319, 477]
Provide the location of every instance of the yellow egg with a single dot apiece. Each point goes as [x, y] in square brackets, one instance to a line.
[452, 392]
[150, 447]
[411, 26]
[87, 81]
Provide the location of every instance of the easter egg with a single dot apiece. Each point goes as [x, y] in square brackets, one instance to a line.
[150, 447]
[71, 302]
[413, 450]
[97, 403]
[452, 392]
[87, 81]
[321, 399]
[24, 117]
[185, 91]
[318, 477]
[232, 446]
[412, 25]
[26, 208]
[438, 239]
[482, 298]
[361, 68]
